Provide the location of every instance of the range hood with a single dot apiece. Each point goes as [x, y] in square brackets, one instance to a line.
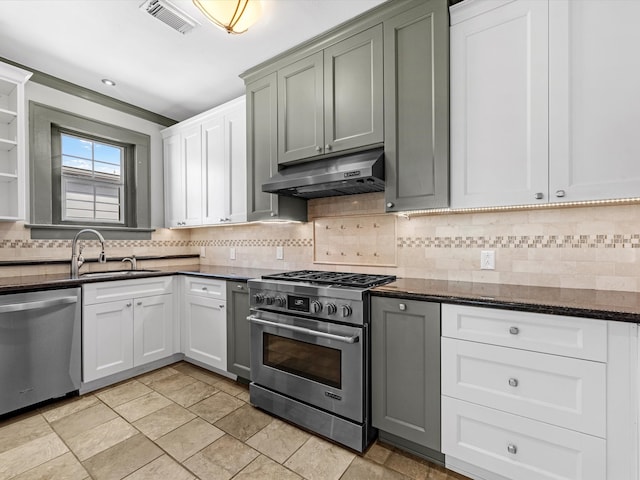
[361, 172]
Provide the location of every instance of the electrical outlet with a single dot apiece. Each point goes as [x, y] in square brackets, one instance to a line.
[203, 252]
[232, 253]
[279, 253]
[488, 260]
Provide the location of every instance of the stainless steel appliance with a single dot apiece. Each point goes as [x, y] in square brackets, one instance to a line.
[39, 347]
[310, 351]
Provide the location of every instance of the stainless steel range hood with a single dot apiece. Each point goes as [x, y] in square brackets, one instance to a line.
[361, 172]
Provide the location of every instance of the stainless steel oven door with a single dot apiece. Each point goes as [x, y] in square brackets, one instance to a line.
[316, 362]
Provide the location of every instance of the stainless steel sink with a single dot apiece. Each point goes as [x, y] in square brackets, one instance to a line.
[116, 273]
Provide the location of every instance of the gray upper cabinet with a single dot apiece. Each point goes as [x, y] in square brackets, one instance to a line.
[332, 100]
[262, 154]
[416, 103]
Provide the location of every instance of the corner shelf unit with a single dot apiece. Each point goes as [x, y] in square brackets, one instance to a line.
[12, 142]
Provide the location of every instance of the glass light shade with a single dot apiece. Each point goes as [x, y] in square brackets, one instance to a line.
[235, 16]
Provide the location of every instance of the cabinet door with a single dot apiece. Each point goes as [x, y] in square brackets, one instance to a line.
[499, 109]
[353, 105]
[152, 329]
[238, 331]
[416, 82]
[215, 187]
[235, 146]
[192, 154]
[107, 339]
[405, 369]
[594, 104]
[300, 113]
[174, 181]
[205, 331]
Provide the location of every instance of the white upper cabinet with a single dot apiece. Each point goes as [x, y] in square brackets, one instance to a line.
[544, 101]
[205, 168]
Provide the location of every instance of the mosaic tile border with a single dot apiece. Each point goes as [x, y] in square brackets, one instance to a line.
[273, 242]
[94, 243]
[524, 241]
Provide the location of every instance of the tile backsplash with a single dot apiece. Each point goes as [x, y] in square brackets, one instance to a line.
[579, 247]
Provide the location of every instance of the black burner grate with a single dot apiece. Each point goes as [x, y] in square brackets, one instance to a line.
[360, 280]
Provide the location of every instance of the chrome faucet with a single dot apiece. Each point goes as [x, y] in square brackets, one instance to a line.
[77, 259]
[132, 259]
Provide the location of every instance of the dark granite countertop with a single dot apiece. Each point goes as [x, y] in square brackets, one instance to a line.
[51, 281]
[599, 304]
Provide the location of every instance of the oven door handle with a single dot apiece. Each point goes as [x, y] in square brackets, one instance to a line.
[307, 331]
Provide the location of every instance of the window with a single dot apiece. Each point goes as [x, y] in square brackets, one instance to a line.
[93, 181]
[84, 172]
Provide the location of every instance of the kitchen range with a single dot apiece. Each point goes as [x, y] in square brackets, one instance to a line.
[310, 351]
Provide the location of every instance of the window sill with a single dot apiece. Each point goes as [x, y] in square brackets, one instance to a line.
[67, 232]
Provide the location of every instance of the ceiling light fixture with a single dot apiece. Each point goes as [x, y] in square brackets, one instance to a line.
[106, 81]
[234, 16]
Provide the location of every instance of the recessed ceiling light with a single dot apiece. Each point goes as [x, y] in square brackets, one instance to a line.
[106, 81]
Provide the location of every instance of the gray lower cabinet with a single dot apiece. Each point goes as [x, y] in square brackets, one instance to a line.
[405, 374]
[262, 155]
[416, 105]
[238, 332]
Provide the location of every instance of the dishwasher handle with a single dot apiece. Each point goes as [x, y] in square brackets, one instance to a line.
[37, 305]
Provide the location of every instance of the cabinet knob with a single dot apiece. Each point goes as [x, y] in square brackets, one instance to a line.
[513, 382]
[560, 193]
[389, 204]
[221, 305]
[514, 330]
[402, 307]
[327, 147]
[511, 448]
[539, 196]
[240, 286]
[273, 214]
[318, 149]
[204, 289]
[129, 304]
[139, 302]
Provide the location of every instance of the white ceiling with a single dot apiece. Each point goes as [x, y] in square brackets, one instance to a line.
[154, 66]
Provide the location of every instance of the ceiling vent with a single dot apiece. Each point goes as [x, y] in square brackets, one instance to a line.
[170, 15]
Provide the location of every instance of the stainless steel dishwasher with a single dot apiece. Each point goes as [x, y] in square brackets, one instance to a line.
[40, 356]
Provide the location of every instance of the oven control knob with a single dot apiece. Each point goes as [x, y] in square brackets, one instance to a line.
[258, 297]
[346, 310]
[331, 308]
[316, 306]
[280, 301]
[268, 299]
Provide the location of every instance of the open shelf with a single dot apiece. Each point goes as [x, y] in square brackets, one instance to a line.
[6, 145]
[7, 116]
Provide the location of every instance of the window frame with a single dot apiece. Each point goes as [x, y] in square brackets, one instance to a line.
[45, 219]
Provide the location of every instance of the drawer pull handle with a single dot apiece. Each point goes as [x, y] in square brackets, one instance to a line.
[514, 330]
[513, 382]
[511, 448]
[402, 307]
[204, 289]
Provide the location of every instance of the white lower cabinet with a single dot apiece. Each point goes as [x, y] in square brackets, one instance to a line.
[204, 322]
[125, 325]
[529, 396]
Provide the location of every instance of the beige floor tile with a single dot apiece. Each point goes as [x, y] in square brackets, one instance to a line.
[244, 396]
[244, 422]
[265, 469]
[192, 393]
[230, 387]
[18, 433]
[64, 467]
[172, 383]
[378, 453]
[163, 421]
[123, 393]
[188, 439]
[83, 420]
[320, 460]
[123, 458]
[278, 440]
[362, 469]
[67, 407]
[163, 467]
[201, 374]
[222, 459]
[410, 467]
[216, 406]
[94, 441]
[156, 375]
[142, 406]
[31, 454]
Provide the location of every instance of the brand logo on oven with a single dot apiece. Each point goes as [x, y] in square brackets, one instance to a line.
[355, 173]
[333, 395]
[298, 302]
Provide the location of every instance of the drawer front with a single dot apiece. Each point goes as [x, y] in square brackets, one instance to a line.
[562, 391]
[125, 289]
[517, 447]
[204, 287]
[556, 334]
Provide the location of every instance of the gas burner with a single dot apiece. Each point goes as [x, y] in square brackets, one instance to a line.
[341, 279]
